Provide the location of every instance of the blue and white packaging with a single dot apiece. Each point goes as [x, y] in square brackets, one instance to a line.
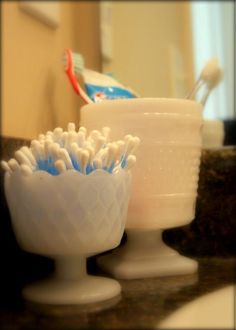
[101, 87]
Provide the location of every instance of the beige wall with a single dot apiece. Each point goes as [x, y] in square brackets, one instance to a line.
[143, 34]
[36, 95]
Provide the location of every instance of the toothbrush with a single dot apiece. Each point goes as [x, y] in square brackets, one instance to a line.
[211, 75]
[70, 61]
[214, 79]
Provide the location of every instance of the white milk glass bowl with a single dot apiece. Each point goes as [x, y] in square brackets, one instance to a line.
[69, 217]
[165, 179]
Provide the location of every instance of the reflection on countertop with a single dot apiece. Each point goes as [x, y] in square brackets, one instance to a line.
[143, 305]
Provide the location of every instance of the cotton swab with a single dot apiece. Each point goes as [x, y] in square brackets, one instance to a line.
[106, 132]
[63, 155]
[25, 169]
[5, 166]
[29, 154]
[58, 151]
[131, 160]
[22, 159]
[97, 163]
[71, 127]
[84, 160]
[60, 166]
[13, 164]
[57, 133]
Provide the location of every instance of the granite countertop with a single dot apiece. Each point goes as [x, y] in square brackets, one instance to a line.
[143, 304]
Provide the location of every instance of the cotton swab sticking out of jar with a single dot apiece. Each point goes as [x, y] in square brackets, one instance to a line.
[130, 162]
[97, 163]
[60, 166]
[57, 133]
[84, 160]
[28, 154]
[13, 164]
[21, 158]
[74, 152]
[5, 166]
[26, 170]
[63, 155]
[106, 132]
[71, 127]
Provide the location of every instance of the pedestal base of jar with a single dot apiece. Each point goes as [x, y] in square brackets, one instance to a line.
[146, 255]
[71, 285]
[90, 289]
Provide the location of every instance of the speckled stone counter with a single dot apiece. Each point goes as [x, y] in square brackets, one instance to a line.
[213, 230]
[143, 304]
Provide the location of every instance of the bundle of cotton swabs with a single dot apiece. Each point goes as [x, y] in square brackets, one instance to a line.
[58, 151]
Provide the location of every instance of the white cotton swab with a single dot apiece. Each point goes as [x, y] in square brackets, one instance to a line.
[64, 137]
[13, 164]
[71, 127]
[99, 143]
[93, 137]
[97, 163]
[49, 135]
[22, 159]
[29, 154]
[111, 154]
[131, 145]
[5, 166]
[41, 137]
[131, 160]
[121, 149]
[72, 150]
[25, 170]
[81, 138]
[63, 154]
[83, 129]
[106, 133]
[37, 150]
[60, 166]
[71, 138]
[54, 147]
[84, 160]
[91, 152]
[47, 148]
[57, 133]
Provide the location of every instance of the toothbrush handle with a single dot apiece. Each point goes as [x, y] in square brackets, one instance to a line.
[197, 86]
[205, 97]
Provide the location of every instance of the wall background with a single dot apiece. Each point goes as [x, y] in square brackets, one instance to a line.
[143, 34]
[36, 95]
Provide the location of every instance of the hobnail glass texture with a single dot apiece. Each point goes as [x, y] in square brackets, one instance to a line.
[165, 178]
[69, 214]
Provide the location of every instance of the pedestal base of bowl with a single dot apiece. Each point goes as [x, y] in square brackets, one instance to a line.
[146, 255]
[86, 290]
